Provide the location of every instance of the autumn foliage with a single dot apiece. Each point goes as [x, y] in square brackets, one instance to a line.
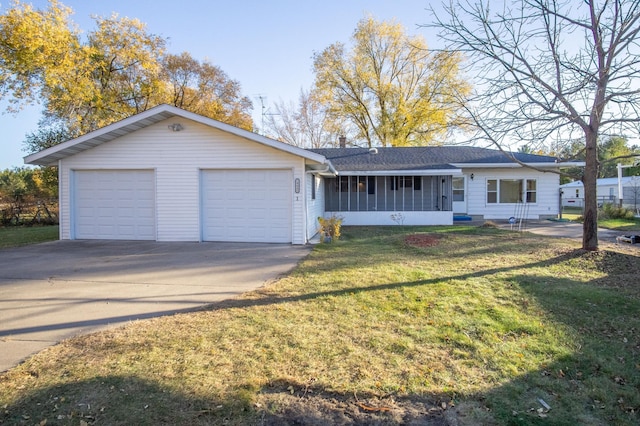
[87, 81]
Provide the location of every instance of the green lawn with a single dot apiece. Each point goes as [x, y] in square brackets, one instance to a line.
[632, 225]
[620, 224]
[20, 236]
[466, 325]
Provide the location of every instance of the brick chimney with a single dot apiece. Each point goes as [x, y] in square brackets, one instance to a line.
[343, 141]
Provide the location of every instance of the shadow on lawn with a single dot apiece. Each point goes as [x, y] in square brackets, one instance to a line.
[263, 297]
[111, 400]
[129, 400]
[598, 383]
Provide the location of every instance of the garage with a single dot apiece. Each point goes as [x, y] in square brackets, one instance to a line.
[246, 205]
[167, 174]
[114, 204]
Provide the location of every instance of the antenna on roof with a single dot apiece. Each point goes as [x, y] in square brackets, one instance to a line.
[264, 111]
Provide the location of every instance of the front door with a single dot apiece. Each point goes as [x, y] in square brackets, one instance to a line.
[459, 195]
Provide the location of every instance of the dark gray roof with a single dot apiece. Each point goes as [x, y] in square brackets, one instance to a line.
[420, 158]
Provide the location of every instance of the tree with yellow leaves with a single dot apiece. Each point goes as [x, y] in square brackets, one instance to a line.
[120, 70]
[390, 87]
[205, 89]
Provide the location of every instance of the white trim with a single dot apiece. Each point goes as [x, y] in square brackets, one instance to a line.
[147, 118]
[417, 218]
[427, 172]
[514, 165]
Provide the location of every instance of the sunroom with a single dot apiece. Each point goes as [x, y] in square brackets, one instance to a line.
[397, 199]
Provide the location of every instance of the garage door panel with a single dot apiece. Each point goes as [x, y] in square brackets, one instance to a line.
[114, 204]
[254, 205]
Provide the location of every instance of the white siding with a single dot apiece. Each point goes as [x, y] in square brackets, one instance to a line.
[402, 218]
[547, 188]
[315, 208]
[178, 158]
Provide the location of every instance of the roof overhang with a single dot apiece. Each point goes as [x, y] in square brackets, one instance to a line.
[51, 156]
[426, 172]
[323, 169]
[514, 165]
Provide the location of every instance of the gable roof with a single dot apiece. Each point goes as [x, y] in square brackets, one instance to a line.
[413, 160]
[50, 156]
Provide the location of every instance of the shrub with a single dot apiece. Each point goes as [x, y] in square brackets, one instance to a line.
[330, 228]
[613, 211]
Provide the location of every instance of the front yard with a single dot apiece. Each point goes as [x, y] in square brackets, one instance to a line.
[452, 325]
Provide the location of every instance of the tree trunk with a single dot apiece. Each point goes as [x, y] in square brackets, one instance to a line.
[589, 181]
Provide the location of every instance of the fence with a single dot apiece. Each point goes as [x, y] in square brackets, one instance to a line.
[39, 212]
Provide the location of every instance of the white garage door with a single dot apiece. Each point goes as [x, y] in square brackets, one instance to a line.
[114, 204]
[246, 205]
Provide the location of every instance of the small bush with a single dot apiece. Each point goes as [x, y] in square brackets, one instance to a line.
[489, 224]
[330, 228]
[612, 211]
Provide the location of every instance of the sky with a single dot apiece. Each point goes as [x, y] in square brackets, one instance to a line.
[267, 46]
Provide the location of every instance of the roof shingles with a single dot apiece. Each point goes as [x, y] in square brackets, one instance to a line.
[419, 158]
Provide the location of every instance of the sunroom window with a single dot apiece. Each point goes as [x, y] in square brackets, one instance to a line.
[388, 193]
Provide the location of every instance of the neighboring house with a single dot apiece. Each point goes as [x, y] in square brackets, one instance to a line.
[606, 191]
[171, 175]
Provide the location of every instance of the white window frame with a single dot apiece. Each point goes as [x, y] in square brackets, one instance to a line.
[460, 191]
[526, 192]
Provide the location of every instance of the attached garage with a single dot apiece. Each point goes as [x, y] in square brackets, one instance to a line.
[114, 204]
[167, 174]
[247, 205]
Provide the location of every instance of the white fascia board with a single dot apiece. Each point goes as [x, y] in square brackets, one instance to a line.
[517, 165]
[81, 140]
[434, 172]
[163, 112]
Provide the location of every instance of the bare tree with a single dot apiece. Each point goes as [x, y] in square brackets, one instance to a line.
[551, 70]
[306, 125]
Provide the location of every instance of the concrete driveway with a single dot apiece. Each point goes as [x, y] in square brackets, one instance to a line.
[52, 291]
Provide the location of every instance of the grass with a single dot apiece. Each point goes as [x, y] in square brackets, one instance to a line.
[631, 225]
[474, 329]
[20, 236]
[620, 224]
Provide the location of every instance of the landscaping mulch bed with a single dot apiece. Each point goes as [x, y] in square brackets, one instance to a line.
[422, 240]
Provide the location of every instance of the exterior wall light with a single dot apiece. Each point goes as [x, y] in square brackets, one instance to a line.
[175, 127]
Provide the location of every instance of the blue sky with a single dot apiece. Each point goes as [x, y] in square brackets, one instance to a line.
[265, 45]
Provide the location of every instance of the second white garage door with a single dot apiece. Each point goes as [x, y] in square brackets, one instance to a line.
[246, 205]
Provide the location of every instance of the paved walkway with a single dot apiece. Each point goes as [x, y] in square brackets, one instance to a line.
[563, 229]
